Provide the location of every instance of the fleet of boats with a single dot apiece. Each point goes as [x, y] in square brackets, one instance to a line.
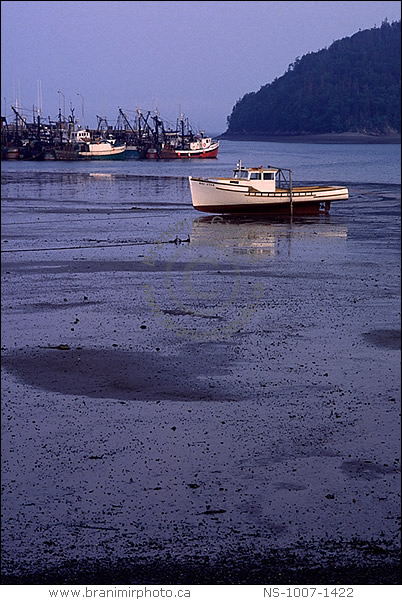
[249, 190]
[146, 137]
[261, 190]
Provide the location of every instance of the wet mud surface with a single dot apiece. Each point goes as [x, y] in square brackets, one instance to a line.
[197, 400]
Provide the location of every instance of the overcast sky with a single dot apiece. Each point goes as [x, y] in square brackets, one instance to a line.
[194, 57]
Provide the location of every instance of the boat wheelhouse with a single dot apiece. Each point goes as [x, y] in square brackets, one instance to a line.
[80, 135]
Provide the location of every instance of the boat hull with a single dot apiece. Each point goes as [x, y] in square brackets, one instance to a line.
[71, 153]
[116, 153]
[132, 153]
[66, 154]
[213, 196]
[208, 152]
[307, 208]
[12, 153]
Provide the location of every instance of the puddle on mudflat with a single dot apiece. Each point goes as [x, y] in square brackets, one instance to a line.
[384, 338]
[103, 373]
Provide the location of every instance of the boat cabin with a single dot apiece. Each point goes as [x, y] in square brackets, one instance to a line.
[201, 144]
[260, 178]
[82, 135]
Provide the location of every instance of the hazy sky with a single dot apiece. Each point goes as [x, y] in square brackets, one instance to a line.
[197, 57]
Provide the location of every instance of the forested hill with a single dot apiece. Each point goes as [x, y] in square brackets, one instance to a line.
[353, 86]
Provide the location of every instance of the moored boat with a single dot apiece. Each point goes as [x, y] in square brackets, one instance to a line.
[184, 143]
[261, 190]
[203, 147]
[105, 149]
[102, 150]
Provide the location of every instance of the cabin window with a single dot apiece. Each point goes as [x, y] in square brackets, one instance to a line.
[268, 176]
[241, 174]
[255, 175]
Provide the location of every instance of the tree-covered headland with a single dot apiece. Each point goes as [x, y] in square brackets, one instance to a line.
[352, 86]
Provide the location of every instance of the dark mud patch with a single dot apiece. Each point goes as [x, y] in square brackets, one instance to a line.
[365, 469]
[384, 338]
[122, 375]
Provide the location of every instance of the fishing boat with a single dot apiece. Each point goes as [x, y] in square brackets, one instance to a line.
[184, 143]
[203, 147]
[261, 190]
[103, 149]
[199, 147]
[86, 149]
[149, 137]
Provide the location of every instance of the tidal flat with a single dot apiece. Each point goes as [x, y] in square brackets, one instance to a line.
[190, 399]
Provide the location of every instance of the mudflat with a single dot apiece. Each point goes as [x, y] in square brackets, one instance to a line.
[189, 399]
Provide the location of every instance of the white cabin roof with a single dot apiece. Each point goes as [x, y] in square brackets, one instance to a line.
[262, 169]
[81, 135]
[260, 178]
[241, 171]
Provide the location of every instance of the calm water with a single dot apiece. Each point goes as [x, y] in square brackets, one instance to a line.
[341, 163]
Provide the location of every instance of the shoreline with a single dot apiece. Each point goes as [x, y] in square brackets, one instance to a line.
[321, 138]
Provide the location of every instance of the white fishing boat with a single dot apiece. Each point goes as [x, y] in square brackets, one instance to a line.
[82, 147]
[261, 190]
[103, 149]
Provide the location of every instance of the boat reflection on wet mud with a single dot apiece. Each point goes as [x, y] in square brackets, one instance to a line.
[265, 237]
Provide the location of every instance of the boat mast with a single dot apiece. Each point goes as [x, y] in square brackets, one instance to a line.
[16, 125]
[126, 121]
[60, 127]
[23, 121]
[182, 129]
[290, 194]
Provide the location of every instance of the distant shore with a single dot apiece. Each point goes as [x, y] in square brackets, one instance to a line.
[322, 138]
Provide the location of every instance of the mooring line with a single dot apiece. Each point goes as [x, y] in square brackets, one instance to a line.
[176, 241]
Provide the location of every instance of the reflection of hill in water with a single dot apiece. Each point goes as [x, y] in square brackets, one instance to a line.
[262, 237]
